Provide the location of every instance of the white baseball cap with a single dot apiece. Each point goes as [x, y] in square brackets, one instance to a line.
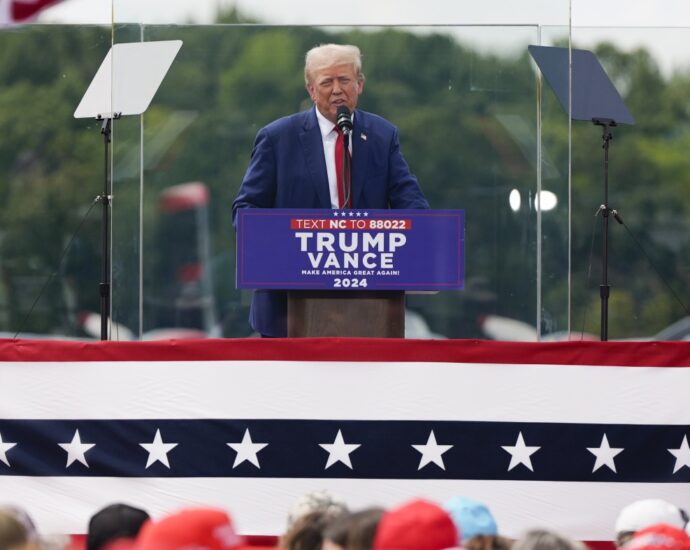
[643, 513]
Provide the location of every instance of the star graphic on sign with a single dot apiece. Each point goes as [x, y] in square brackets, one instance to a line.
[335, 213]
[432, 452]
[4, 447]
[520, 453]
[76, 450]
[366, 214]
[359, 214]
[605, 455]
[351, 214]
[158, 450]
[246, 450]
[682, 455]
[339, 451]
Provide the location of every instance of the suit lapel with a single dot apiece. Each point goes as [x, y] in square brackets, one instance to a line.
[312, 147]
[361, 157]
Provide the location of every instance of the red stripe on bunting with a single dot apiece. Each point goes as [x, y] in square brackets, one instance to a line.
[258, 542]
[78, 542]
[24, 10]
[643, 354]
[600, 544]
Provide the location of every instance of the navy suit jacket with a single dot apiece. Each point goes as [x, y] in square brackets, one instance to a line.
[288, 170]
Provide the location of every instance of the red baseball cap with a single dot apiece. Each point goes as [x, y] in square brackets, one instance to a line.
[659, 537]
[194, 528]
[417, 525]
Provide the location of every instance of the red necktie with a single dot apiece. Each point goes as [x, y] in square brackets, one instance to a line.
[342, 193]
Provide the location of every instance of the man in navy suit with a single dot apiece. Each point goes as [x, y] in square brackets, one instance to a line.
[293, 163]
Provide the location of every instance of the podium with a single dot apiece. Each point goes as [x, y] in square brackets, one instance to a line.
[358, 313]
[346, 271]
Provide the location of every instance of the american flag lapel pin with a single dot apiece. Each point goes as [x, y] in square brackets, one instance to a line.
[363, 136]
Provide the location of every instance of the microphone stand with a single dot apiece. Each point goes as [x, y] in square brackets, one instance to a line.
[346, 169]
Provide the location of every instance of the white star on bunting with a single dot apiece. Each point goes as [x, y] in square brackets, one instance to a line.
[4, 447]
[339, 451]
[520, 453]
[605, 455]
[158, 450]
[682, 455]
[432, 452]
[76, 450]
[246, 450]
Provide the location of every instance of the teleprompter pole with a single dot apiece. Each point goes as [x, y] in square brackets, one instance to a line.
[605, 210]
[106, 199]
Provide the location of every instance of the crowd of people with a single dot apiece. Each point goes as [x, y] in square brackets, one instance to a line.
[320, 521]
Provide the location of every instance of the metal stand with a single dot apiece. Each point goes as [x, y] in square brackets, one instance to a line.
[605, 210]
[106, 199]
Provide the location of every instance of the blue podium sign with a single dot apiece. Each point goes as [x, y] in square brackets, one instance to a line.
[350, 249]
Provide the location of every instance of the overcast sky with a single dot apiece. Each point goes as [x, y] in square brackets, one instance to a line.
[670, 47]
[584, 12]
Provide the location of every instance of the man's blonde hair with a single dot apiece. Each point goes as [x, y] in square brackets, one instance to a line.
[327, 55]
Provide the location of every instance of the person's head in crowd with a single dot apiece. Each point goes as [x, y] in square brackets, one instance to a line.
[646, 512]
[114, 522]
[336, 531]
[17, 531]
[13, 535]
[659, 537]
[416, 525]
[35, 540]
[306, 533]
[471, 517]
[476, 524]
[317, 501]
[363, 527]
[197, 528]
[488, 542]
[354, 531]
[308, 518]
[333, 76]
[543, 539]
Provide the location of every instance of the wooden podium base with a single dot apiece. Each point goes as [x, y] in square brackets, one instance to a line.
[368, 314]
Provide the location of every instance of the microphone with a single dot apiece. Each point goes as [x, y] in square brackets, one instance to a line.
[344, 120]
